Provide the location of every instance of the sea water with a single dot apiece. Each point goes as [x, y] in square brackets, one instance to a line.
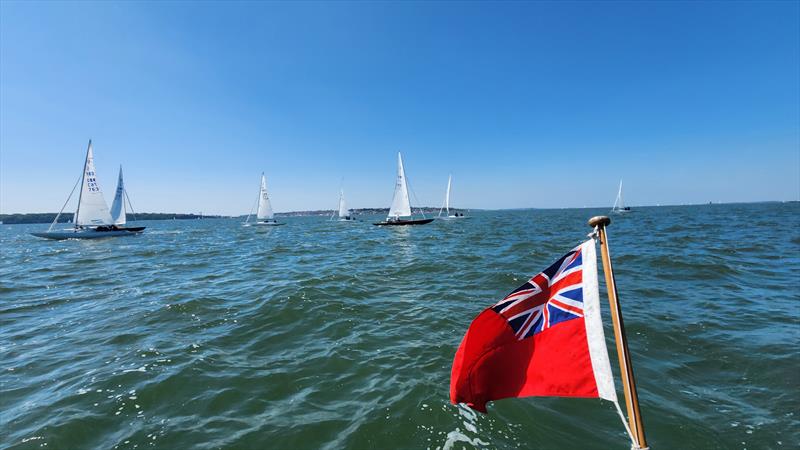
[205, 334]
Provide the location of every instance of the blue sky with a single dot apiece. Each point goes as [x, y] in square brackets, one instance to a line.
[526, 104]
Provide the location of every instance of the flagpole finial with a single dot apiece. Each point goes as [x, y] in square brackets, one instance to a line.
[599, 221]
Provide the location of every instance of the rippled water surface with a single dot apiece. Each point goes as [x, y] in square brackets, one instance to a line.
[326, 335]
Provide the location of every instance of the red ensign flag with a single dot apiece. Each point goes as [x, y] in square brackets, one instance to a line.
[544, 339]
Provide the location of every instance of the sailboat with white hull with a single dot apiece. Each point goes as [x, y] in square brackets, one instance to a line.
[446, 207]
[264, 215]
[400, 211]
[345, 215]
[619, 206]
[92, 218]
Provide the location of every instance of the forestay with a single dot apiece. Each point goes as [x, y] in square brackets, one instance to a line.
[401, 206]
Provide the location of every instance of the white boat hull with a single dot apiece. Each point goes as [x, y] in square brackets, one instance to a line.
[267, 224]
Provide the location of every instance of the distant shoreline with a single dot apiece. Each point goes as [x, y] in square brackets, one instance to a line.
[10, 219]
[20, 218]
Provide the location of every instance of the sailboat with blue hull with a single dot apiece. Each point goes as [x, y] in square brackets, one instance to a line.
[92, 218]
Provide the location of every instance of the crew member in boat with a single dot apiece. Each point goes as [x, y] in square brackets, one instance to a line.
[107, 228]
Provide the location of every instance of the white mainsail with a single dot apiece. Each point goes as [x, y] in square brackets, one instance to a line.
[619, 205]
[447, 196]
[118, 206]
[342, 206]
[264, 205]
[92, 206]
[401, 206]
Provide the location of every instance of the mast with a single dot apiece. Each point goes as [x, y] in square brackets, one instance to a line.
[83, 177]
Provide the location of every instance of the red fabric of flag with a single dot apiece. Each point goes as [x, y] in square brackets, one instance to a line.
[535, 342]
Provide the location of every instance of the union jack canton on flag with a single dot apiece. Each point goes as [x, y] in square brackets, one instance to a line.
[550, 297]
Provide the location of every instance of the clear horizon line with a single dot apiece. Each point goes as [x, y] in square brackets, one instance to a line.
[198, 213]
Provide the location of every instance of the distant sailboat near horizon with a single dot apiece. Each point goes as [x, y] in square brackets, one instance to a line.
[345, 215]
[446, 206]
[92, 218]
[619, 206]
[264, 215]
[401, 205]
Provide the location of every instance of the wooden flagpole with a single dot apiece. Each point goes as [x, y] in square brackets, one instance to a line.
[625, 366]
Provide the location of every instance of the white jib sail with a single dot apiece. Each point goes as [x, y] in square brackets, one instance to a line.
[342, 205]
[618, 203]
[118, 206]
[401, 206]
[264, 206]
[92, 206]
[447, 197]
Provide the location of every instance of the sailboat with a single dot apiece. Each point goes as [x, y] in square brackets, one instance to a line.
[401, 205]
[264, 214]
[446, 206]
[345, 215]
[619, 205]
[118, 209]
[92, 218]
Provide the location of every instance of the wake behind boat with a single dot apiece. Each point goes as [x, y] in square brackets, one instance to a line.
[401, 205]
[92, 218]
[264, 215]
